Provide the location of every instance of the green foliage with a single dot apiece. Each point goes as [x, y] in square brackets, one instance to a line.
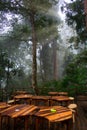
[4, 64]
[40, 22]
[76, 74]
[75, 15]
[8, 73]
[46, 87]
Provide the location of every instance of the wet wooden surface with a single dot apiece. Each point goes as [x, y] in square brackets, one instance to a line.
[80, 124]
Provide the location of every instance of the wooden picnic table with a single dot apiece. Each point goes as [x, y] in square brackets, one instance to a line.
[60, 100]
[58, 93]
[40, 100]
[20, 92]
[53, 93]
[62, 93]
[24, 97]
[16, 111]
[51, 113]
[54, 114]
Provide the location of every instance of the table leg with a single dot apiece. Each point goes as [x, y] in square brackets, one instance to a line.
[12, 122]
[36, 124]
[69, 124]
[0, 123]
[49, 125]
[26, 122]
[3, 119]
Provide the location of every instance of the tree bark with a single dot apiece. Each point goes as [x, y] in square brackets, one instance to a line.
[55, 72]
[34, 61]
[85, 9]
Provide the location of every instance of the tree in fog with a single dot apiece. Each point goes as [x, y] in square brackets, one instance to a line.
[36, 13]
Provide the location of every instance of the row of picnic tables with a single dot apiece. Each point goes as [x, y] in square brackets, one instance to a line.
[46, 100]
[49, 112]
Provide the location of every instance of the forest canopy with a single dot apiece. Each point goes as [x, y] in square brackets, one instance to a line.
[32, 48]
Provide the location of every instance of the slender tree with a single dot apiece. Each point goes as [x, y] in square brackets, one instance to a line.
[33, 10]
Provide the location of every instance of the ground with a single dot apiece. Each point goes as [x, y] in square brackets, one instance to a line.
[81, 118]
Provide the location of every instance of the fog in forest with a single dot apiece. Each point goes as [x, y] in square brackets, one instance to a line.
[55, 41]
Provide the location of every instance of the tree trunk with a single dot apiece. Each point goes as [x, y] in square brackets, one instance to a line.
[34, 61]
[85, 9]
[55, 75]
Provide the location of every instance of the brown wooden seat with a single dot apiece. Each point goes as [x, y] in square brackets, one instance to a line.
[73, 108]
[11, 101]
[71, 100]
